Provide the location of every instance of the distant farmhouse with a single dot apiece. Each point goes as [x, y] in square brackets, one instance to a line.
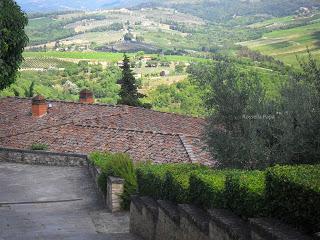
[83, 127]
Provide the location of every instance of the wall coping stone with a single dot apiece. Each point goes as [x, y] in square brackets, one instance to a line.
[136, 200]
[196, 215]
[115, 180]
[231, 223]
[170, 209]
[275, 230]
[43, 152]
[150, 204]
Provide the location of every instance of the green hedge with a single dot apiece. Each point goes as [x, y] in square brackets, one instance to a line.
[176, 182]
[207, 189]
[245, 193]
[166, 181]
[151, 178]
[293, 195]
[117, 165]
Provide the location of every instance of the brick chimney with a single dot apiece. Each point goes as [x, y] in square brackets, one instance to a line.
[86, 96]
[39, 106]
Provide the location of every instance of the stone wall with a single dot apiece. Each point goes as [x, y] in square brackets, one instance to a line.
[41, 157]
[150, 219]
[112, 195]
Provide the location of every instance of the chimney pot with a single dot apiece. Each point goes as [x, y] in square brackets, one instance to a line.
[86, 96]
[39, 106]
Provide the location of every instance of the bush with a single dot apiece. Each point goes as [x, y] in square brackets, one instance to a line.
[39, 147]
[207, 189]
[245, 193]
[176, 182]
[293, 195]
[166, 181]
[117, 165]
[151, 178]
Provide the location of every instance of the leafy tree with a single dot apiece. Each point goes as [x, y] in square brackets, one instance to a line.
[299, 120]
[12, 40]
[129, 92]
[182, 97]
[128, 36]
[239, 112]
[139, 55]
[179, 68]
[246, 129]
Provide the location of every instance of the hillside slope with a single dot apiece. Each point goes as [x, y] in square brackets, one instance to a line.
[209, 9]
[227, 9]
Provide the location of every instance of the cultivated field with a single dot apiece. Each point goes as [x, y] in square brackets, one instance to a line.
[286, 44]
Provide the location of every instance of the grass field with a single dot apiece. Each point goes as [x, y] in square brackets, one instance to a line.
[287, 44]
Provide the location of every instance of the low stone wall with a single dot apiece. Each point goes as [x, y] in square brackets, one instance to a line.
[95, 173]
[41, 157]
[112, 196]
[150, 219]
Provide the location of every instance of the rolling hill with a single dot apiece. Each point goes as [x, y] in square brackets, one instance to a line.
[208, 9]
[61, 5]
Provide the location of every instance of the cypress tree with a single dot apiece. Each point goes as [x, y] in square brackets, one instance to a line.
[129, 92]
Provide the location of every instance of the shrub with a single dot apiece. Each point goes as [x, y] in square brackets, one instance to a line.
[293, 195]
[165, 181]
[245, 193]
[176, 182]
[117, 165]
[151, 178]
[207, 189]
[39, 147]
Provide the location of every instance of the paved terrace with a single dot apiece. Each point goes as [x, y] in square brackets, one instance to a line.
[54, 203]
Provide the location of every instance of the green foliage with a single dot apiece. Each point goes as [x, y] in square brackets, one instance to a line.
[245, 193]
[129, 94]
[103, 182]
[66, 84]
[207, 189]
[183, 97]
[290, 193]
[30, 92]
[165, 181]
[256, 130]
[299, 117]
[235, 99]
[226, 10]
[151, 179]
[12, 41]
[116, 165]
[293, 195]
[179, 68]
[176, 182]
[39, 146]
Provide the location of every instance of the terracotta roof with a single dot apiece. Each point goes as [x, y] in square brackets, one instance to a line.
[82, 128]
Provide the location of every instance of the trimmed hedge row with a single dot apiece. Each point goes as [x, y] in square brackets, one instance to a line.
[289, 193]
[207, 189]
[293, 194]
[166, 181]
[245, 193]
